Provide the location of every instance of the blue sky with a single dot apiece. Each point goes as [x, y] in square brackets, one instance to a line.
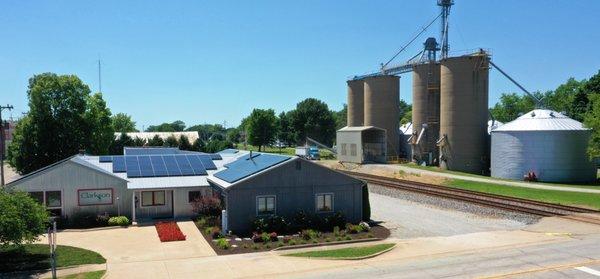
[210, 62]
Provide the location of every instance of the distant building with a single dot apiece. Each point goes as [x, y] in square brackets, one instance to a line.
[191, 135]
[9, 129]
[361, 144]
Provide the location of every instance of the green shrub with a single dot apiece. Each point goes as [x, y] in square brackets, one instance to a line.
[265, 237]
[327, 239]
[223, 244]
[272, 223]
[335, 220]
[201, 222]
[268, 246]
[216, 232]
[348, 237]
[338, 239]
[370, 235]
[309, 234]
[336, 231]
[118, 221]
[280, 244]
[208, 231]
[292, 242]
[364, 226]
[255, 247]
[315, 241]
[245, 246]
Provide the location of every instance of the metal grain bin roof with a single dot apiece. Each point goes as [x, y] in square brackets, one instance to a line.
[542, 120]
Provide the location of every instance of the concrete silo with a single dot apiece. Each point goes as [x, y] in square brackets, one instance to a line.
[426, 111]
[464, 113]
[544, 142]
[382, 97]
[356, 103]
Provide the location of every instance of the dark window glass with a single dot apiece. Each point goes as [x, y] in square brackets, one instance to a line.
[53, 199]
[265, 205]
[153, 198]
[324, 202]
[194, 195]
[37, 196]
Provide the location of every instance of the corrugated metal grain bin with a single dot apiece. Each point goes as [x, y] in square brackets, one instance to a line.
[356, 103]
[382, 97]
[545, 142]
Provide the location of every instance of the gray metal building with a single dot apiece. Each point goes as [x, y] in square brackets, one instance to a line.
[103, 184]
[283, 188]
[361, 144]
[545, 142]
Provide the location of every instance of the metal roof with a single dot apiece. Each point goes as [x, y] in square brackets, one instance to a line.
[493, 125]
[407, 129]
[542, 120]
[359, 128]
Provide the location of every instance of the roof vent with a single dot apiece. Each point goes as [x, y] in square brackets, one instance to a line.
[551, 114]
[532, 114]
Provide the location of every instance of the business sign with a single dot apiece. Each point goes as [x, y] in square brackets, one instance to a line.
[95, 196]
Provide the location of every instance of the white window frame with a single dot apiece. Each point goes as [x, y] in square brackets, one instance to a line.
[274, 205]
[153, 205]
[317, 202]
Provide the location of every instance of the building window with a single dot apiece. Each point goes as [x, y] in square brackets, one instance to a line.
[344, 151]
[37, 196]
[153, 198]
[53, 199]
[194, 195]
[265, 205]
[324, 202]
[353, 149]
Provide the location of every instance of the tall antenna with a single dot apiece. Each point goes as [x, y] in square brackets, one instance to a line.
[99, 76]
[445, 6]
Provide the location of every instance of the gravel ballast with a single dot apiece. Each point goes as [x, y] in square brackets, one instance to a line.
[409, 215]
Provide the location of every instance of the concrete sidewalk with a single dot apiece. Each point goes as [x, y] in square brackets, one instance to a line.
[273, 264]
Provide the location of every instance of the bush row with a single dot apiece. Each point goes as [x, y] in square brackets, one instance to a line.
[300, 221]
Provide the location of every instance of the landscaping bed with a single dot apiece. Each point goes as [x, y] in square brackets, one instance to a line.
[234, 244]
[350, 253]
[169, 231]
[32, 257]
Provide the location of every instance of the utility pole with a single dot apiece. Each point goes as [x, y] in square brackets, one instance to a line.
[2, 148]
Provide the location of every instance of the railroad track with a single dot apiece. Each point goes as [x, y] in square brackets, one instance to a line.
[497, 201]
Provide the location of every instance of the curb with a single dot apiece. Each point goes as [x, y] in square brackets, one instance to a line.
[355, 258]
[283, 248]
[94, 229]
[44, 271]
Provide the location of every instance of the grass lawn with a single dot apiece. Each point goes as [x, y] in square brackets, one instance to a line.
[345, 253]
[86, 275]
[552, 196]
[594, 185]
[37, 257]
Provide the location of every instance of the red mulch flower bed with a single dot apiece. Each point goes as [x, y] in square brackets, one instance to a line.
[169, 231]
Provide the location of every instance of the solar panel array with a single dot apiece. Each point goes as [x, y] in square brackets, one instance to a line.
[246, 166]
[161, 165]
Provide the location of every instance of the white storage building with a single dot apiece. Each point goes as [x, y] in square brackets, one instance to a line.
[545, 142]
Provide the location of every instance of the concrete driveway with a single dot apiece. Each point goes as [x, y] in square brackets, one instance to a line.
[136, 244]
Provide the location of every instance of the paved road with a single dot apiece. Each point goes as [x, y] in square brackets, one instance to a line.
[396, 168]
[571, 259]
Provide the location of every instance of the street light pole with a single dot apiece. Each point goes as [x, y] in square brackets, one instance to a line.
[2, 148]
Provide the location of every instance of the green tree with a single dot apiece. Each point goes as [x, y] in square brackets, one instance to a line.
[171, 141]
[55, 126]
[261, 127]
[233, 135]
[156, 141]
[122, 123]
[208, 131]
[101, 132]
[122, 141]
[175, 126]
[405, 112]
[198, 145]
[312, 118]
[214, 146]
[511, 106]
[22, 219]
[184, 143]
[139, 141]
[285, 133]
[592, 120]
[341, 118]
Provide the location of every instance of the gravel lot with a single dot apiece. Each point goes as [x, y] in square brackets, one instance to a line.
[410, 215]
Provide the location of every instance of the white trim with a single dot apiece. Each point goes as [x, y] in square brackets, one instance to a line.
[274, 205]
[154, 205]
[317, 204]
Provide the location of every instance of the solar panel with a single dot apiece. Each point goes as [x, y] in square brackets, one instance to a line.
[197, 165]
[244, 167]
[105, 159]
[242, 159]
[118, 164]
[132, 166]
[171, 164]
[215, 156]
[207, 162]
[184, 165]
[158, 165]
[146, 168]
